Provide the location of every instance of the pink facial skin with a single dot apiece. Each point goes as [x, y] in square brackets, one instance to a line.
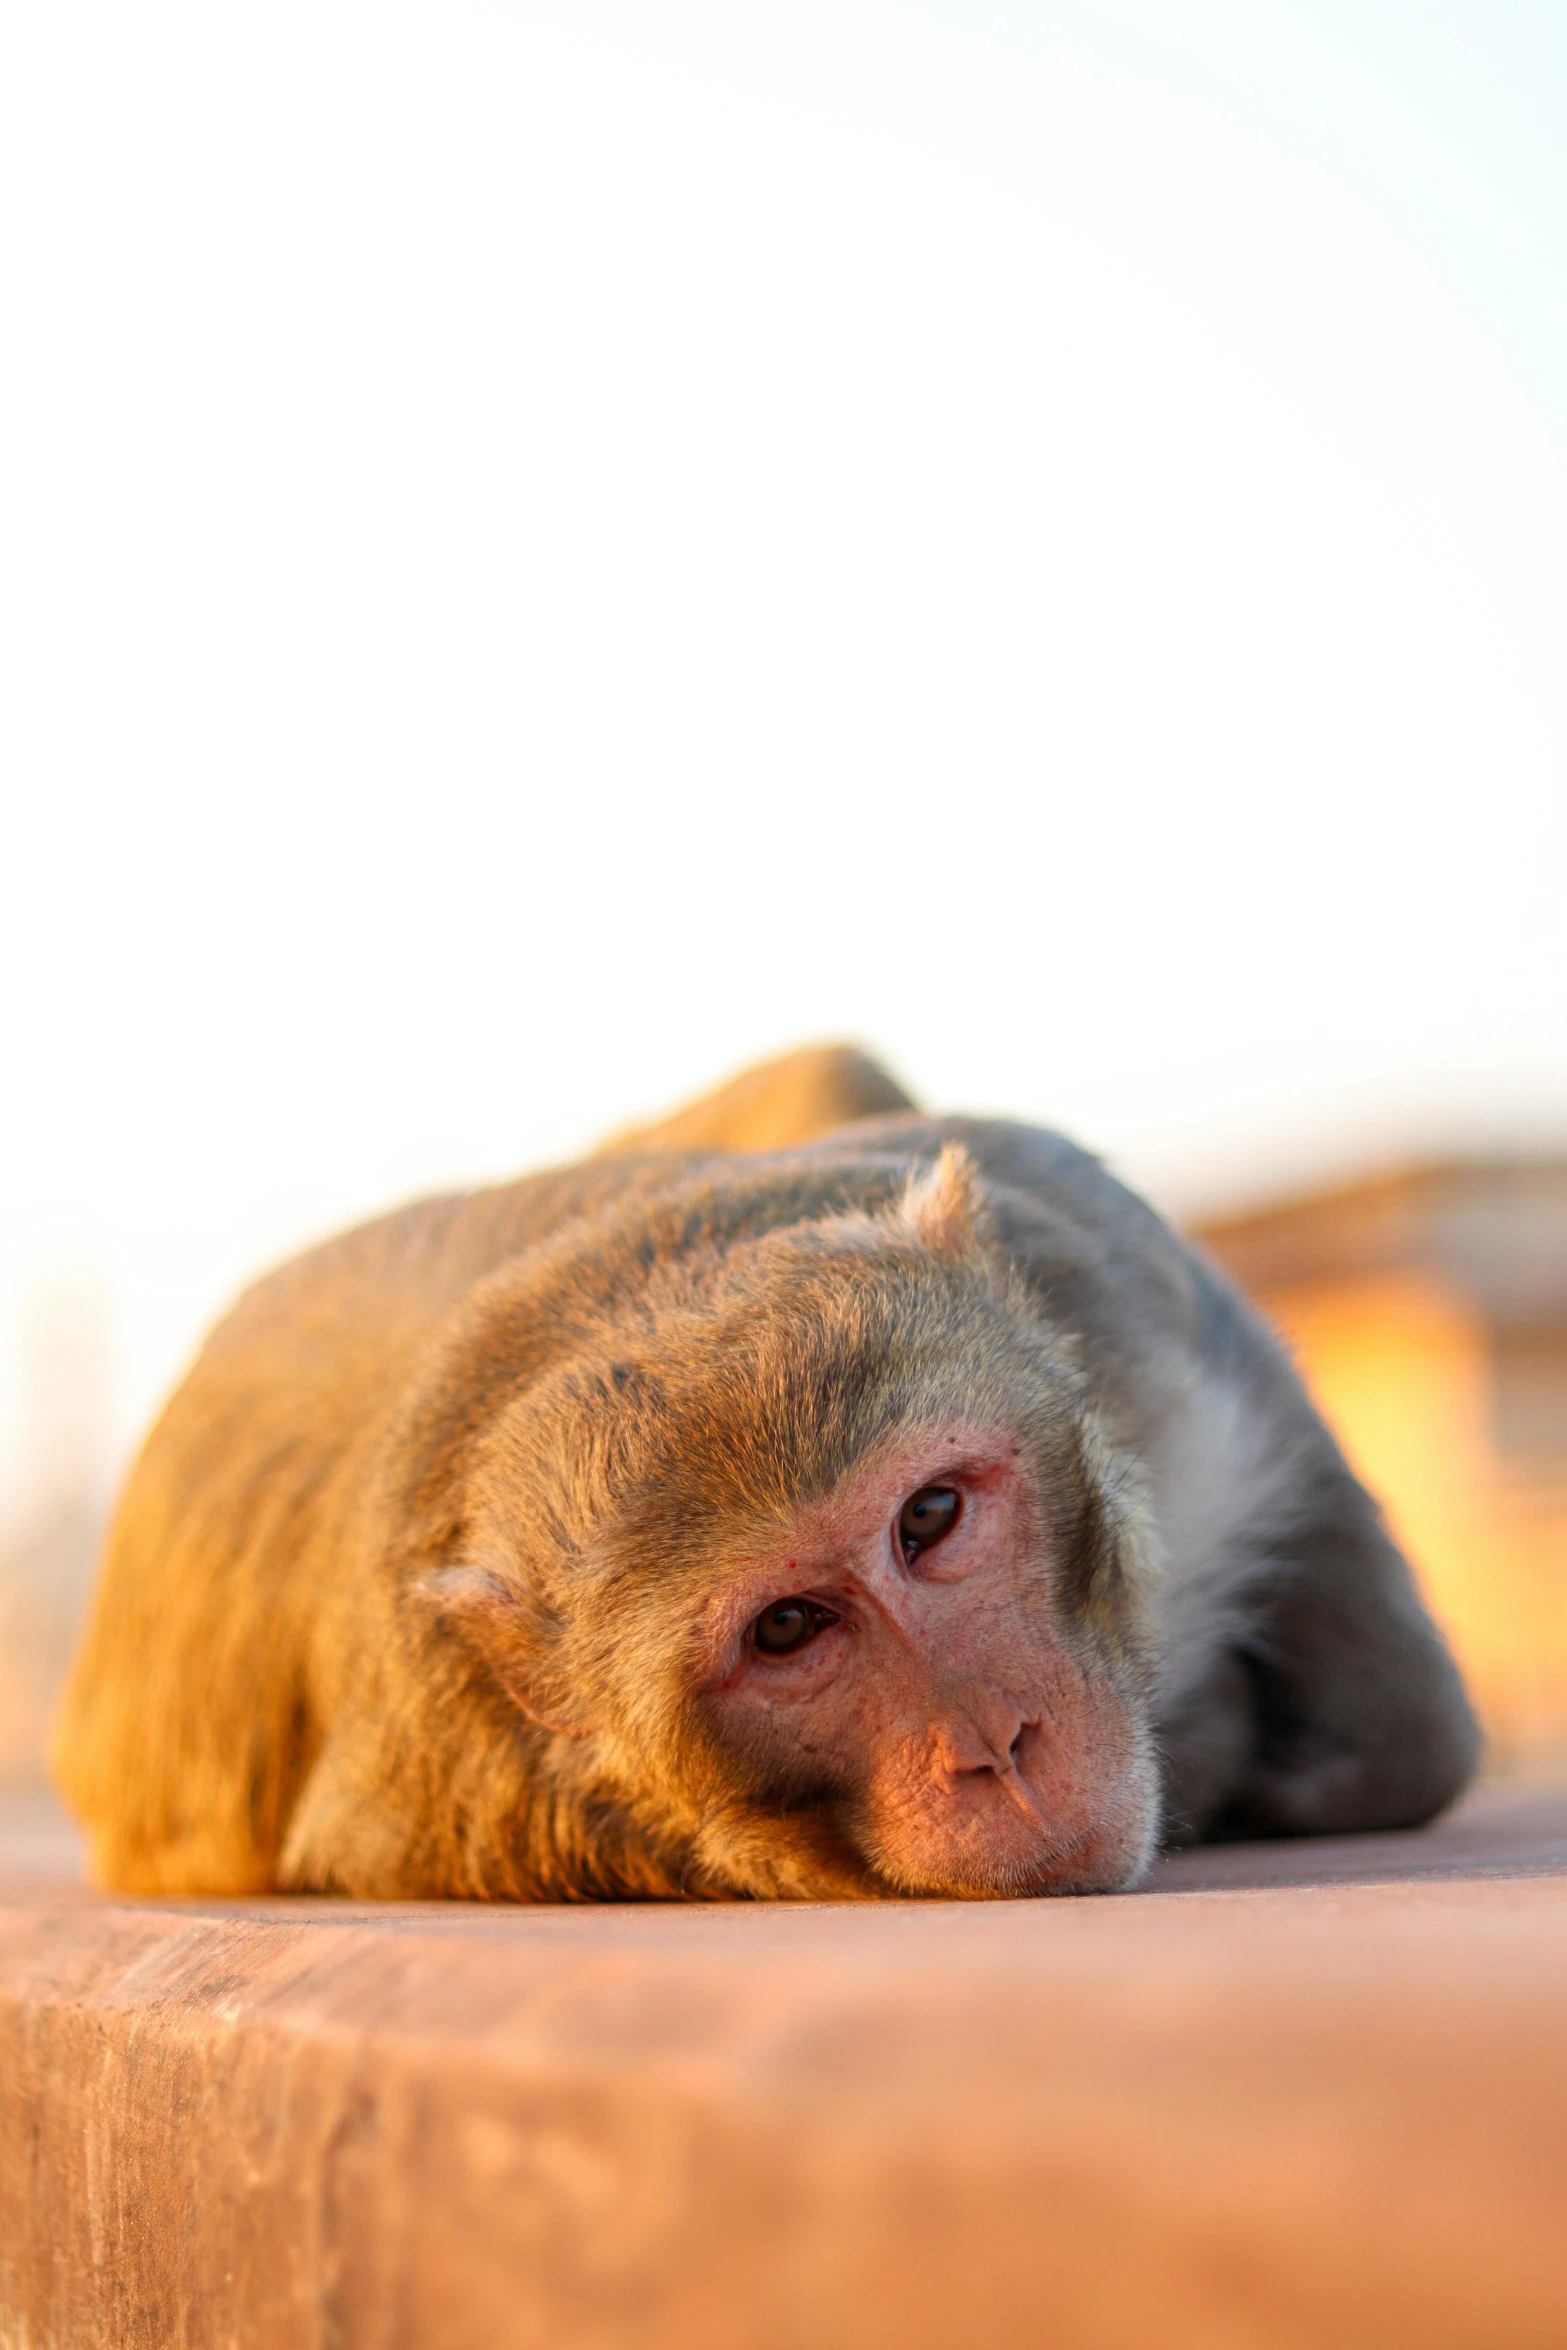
[992, 1751]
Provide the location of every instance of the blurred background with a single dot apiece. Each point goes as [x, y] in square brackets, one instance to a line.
[547, 552]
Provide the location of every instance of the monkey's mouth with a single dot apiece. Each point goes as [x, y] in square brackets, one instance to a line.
[1091, 1860]
[1024, 1838]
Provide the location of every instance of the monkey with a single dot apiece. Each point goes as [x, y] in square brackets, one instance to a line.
[807, 1498]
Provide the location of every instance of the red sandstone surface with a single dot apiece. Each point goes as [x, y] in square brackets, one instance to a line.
[1303, 2095]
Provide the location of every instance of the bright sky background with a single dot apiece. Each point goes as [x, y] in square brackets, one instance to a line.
[548, 551]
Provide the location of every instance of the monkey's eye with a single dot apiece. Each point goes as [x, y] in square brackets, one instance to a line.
[926, 1516]
[789, 1624]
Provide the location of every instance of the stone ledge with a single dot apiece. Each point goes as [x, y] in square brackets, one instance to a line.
[1319, 2112]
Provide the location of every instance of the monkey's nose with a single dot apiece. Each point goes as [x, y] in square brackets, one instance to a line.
[986, 1740]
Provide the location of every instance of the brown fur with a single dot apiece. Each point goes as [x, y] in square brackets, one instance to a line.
[774, 1107]
[401, 1595]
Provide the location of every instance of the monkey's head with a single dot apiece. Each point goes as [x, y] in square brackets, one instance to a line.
[799, 1555]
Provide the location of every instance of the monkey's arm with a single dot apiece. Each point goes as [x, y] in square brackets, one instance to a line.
[775, 1106]
[1306, 1690]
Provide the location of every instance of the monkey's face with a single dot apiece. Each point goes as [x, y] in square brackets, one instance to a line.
[811, 1555]
[902, 1660]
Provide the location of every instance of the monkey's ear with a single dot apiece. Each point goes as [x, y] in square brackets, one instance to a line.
[497, 1624]
[943, 1206]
